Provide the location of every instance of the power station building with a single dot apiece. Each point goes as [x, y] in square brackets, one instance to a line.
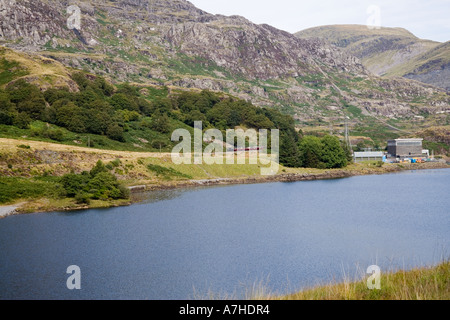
[404, 148]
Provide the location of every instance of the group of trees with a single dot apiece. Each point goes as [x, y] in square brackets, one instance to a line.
[323, 153]
[219, 112]
[103, 109]
[98, 108]
[98, 184]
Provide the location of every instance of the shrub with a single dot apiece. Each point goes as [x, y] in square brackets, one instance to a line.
[55, 134]
[73, 183]
[98, 168]
[156, 144]
[104, 186]
[167, 173]
[6, 118]
[83, 198]
[160, 122]
[99, 183]
[22, 120]
[115, 132]
[115, 163]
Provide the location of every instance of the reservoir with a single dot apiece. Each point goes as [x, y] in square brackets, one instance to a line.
[222, 241]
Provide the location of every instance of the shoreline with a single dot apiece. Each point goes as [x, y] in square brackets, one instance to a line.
[26, 207]
[326, 174]
[9, 210]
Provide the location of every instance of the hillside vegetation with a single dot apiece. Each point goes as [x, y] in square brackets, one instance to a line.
[174, 44]
[390, 51]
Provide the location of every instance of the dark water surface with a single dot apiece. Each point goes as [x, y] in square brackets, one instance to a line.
[182, 244]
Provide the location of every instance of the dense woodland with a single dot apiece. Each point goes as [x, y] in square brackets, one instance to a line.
[103, 109]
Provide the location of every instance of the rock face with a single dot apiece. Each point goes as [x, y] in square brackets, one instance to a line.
[256, 51]
[433, 67]
[32, 21]
[173, 43]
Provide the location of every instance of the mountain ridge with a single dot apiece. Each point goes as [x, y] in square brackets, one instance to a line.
[174, 43]
[389, 51]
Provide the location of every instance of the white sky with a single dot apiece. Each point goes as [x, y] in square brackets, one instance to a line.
[427, 19]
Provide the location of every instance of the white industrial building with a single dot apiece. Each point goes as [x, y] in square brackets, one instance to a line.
[368, 156]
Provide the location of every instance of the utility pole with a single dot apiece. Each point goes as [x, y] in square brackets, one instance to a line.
[347, 137]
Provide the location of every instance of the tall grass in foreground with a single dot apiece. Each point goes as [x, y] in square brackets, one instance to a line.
[428, 283]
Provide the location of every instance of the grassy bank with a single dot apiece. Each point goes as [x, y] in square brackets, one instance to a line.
[431, 283]
[30, 172]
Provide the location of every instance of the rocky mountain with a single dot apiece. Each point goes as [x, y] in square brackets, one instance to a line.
[390, 51]
[175, 44]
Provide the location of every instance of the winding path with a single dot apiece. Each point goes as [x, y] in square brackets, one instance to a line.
[7, 210]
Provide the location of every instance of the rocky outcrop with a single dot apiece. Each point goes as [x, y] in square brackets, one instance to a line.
[173, 43]
[33, 22]
[256, 51]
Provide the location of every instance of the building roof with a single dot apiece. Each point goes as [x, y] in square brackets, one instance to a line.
[369, 154]
[411, 139]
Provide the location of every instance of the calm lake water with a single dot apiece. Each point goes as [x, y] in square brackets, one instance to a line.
[183, 244]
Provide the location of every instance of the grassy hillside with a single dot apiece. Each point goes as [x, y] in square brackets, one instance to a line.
[31, 171]
[43, 72]
[388, 51]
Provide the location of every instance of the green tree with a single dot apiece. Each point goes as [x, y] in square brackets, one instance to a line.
[21, 91]
[289, 153]
[97, 122]
[104, 185]
[164, 105]
[6, 118]
[81, 80]
[160, 122]
[311, 152]
[194, 115]
[52, 95]
[333, 155]
[115, 132]
[99, 167]
[145, 107]
[122, 101]
[22, 120]
[34, 108]
[74, 183]
[71, 117]
[103, 86]
[86, 97]
[128, 90]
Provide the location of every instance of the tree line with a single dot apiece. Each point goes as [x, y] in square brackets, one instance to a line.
[104, 109]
